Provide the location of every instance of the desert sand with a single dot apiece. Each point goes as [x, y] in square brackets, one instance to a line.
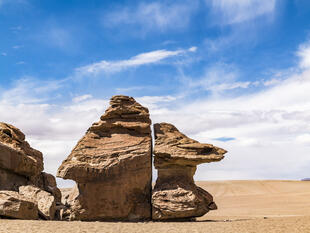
[243, 206]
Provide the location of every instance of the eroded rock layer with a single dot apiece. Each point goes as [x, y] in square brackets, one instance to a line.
[112, 166]
[175, 195]
[23, 185]
[21, 159]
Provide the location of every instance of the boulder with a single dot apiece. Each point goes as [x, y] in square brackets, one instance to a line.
[46, 201]
[50, 186]
[14, 205]
[112, 165]
[47, 182]
[175, 195]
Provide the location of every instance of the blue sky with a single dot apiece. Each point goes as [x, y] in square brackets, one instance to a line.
[235, 73]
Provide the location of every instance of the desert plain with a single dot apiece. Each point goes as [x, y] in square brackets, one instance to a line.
[243, 206]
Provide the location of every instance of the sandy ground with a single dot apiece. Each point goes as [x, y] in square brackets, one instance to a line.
[244, 206]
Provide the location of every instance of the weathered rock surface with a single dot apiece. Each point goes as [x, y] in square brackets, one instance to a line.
[50, 185]
[14, 205]
[46, 201]
[17, 162]
[112, 166]
[175, 195]
[21, 166]
[10, 180]
[21, 159]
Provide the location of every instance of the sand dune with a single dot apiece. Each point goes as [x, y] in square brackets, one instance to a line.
[244, 206]
[259, 198]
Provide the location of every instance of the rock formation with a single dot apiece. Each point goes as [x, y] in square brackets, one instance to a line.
[112, 166]
[22, 181]
[175, 195]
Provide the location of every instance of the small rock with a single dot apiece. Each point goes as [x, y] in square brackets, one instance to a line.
[14, 205]
[46, 202]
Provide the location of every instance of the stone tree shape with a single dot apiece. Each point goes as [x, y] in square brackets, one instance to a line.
[112, 166]
[175, 195]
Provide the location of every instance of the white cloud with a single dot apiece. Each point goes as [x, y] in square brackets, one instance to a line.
[155, 103]
[54, 129]
[81, 98]
[238, 11]
[229, 86]
[3, 54]
[304, 139]
[271, 127]
[304, 54]
[151, 16]
[271, 82]
[129, 89]
[192, 49]
[138, 60]
[29, 91]
[217, 79]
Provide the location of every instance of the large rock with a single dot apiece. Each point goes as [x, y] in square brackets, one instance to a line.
[175, 195]
[46, 201]
[21, 165]
[112, 165]
[14, 205]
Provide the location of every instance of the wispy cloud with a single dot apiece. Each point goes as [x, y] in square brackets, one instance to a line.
[238, 11]
[29, 91]
[217, 79]
[158, 16]
[17, 46]
[81, 98]
[58, 37]
[152, 57]
[267, 127]
[55, 35]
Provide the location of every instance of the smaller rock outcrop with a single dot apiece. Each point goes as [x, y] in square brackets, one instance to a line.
[112, 165]
[46, 201]
[175, 195]
[15, 205]
[21, 178]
